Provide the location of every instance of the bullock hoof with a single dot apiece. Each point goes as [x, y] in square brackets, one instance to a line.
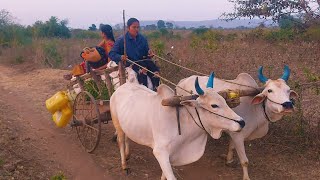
[232, 163]
[128, 157]
[127, 171]
[114, 138]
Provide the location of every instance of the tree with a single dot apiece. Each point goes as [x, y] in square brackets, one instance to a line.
[276, 9]
[5, 17]
[169, 25]
[117, 27]
[161, 24]
[151, 27]
[93, 27]
[51, 28]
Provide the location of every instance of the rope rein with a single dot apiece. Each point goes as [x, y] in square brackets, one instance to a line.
[181, 66]
[159, 76]
[201, 72]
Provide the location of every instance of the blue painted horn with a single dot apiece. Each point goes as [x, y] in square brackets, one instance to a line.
[261, 77]
[286, 73]
[198, 88]
[210, 80]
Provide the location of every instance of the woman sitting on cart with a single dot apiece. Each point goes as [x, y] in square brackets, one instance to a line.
[137, 49]
[107, 44]
[100, 53]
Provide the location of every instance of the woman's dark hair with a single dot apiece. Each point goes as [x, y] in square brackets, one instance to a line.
[132, 20]
[107, 30]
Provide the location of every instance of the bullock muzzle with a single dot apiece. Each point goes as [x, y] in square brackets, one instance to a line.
[287, 105]
[241, 123]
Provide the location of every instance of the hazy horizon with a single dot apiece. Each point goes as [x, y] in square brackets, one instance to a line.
[80, 14]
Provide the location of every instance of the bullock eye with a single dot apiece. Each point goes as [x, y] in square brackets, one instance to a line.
[214, 106]
[269, 90]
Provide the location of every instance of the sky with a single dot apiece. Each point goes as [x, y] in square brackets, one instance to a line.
[83, 13]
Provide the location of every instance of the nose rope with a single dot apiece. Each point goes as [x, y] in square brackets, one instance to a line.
[203, 128]
[273, 101]
[264, 107]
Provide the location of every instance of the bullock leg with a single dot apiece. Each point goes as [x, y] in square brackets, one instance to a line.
[163, 177]
[163, 158]
[114, 137]
[127, 150]
[120, 138]
[121, 143]
[230, 152]
[239, 145]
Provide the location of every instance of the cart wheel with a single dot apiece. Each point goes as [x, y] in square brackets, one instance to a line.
[87, 121]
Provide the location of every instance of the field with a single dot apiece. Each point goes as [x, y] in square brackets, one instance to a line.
[31, 147]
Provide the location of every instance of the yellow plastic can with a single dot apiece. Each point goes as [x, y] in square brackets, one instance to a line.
[57, 102]
[63, 116]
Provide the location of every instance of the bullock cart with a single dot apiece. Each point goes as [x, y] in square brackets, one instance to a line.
[90, 109]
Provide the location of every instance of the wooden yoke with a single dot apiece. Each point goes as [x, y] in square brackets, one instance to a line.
[176, 100]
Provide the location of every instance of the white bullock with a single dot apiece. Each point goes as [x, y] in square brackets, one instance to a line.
[137, 114]
[268, 106]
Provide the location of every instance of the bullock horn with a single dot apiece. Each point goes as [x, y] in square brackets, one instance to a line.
[262, 78]
[210, 80]
[198, 88]
[286, 73]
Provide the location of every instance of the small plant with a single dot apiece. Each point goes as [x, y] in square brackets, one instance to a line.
[310, 76]
[1, 162]
[91, 87]
[19, 60]
[59, 176]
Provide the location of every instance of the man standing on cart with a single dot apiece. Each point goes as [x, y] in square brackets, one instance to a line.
[137, 49]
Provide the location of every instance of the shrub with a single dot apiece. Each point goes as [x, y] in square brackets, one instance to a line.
[84, 34]
[154, 35]
[15, 35]
[280, 35]
[312, 34]
[51, 54]
[158, 47]
[200, 31]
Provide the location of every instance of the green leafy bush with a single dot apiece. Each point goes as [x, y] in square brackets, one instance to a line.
[51, 54]
[84, 34]
[158, 47]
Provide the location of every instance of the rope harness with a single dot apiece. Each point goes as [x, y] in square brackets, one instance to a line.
[264, 107]
[202, 126]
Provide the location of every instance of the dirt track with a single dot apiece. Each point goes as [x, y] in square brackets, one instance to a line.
[32, 146]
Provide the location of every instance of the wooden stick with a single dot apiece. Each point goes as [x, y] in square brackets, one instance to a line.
[108, 83]
[122, 75]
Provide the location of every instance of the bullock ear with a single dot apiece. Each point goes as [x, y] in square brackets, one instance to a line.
[293, 94]
[258, 99]
[192, 103]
